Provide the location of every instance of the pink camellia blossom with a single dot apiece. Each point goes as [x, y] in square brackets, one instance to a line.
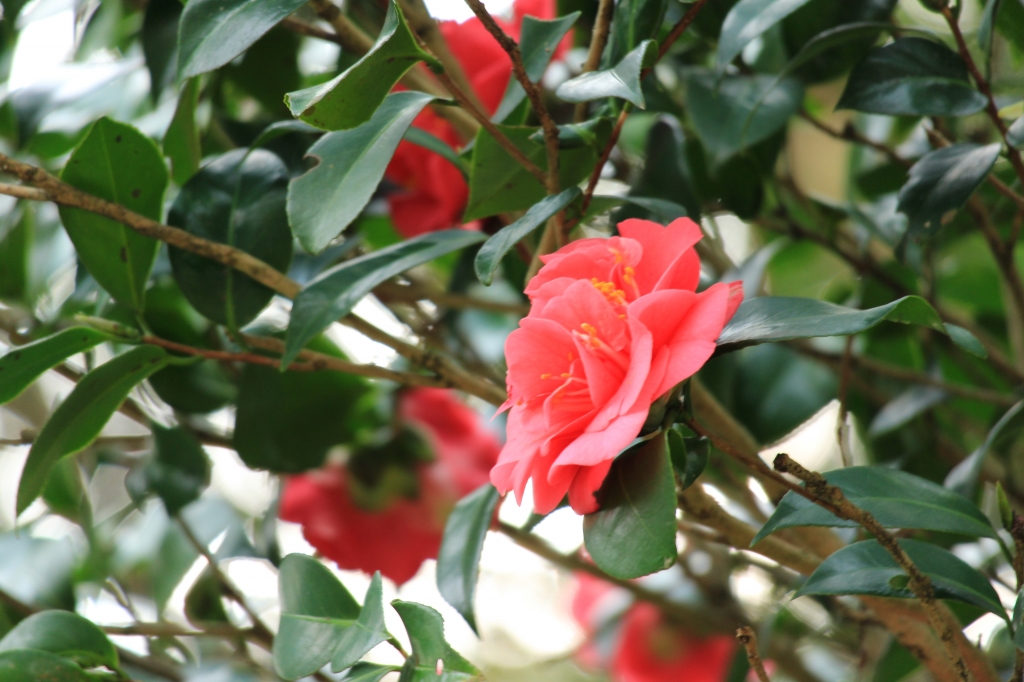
[613, 324]
[396, 540]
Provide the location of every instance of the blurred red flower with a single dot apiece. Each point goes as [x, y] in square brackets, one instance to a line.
[399, 538]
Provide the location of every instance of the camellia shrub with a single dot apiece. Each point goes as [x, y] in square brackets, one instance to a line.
[732, 288]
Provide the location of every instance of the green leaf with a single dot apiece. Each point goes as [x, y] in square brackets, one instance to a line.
[333, 294]
[237, 199]
[83, 414]
[1015, 135]
[30, 665]
[1018, 621]
[986, 30]
[657, 209]
[351, 163]
[622, 80]
[942, 181]
[633, 534]
[368, 672]
[781, 318]
[315, 610]
[65, 634]
[177, 471]
[281, 128]
[421, 138]
[735, 112]
[22, 365]
[117, 163]
[458, 560]
[963, 478]
[367, 632]
[159, 38]
[488, 258]
[868, 568]
[351, 98]
[430, 651]
[575, 135]
[747, 20]
[213, 32]
[181, 141]
[498, 184]
[663, 191]
[897, 499]
[633, 22]
[966, 340]
[903, 408]
[538, 40]
[911, 77]
[65, 493]
[17, 234]
[689, 456]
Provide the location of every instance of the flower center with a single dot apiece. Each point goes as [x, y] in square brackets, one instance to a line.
[612, 294]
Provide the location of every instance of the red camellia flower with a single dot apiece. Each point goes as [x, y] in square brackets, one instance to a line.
[433, 192]
[613, 324]
[399, 538]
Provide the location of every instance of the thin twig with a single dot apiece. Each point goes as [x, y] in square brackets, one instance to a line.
[598, 41]
[745, 636]
[832, 498]
[311, 30]
[172, 630]
[680, 28]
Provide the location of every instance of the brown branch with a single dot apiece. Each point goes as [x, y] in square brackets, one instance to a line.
[391, 291]
[598, 41]
[745, 636]
[311, 30]
[172, 630]
[831, 498]
[680, 28]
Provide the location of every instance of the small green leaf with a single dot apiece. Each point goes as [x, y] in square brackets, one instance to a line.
[351, 98]
[430, 651]
[966, 340]
[1018, 621]
[488, 258]
[367, 632]
[181, 141]
[868, 568]
[17, 234]
[421, 138]
[31, 665]
[22, 365]
[903, 408]
[986, 30]
[368, 672]
[633, 22]
[213, 32]
[65, 493]
[622, 80]
[897, 499]
[458, 560]
[315, 610]
[65, 634]
[333, 294]
[689, 456]
[663, 191]
[747, 20]
[159, 38]
[963, 478]
[942, 181]
[237, 199]
[633, 534]
[117, 163]
[911, 77]
[177, 472]
[781, 318]
[1015, 135]
[1005, 510]
[576, 135]
[326, 199]
[498, 184]
[83, 414]
[538, 40]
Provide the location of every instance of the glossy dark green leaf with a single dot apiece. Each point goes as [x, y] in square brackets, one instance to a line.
[181, 141]
[689, 456]
[421, 138]
[911, 77]
[904, 407]
[17, 236]
[966, 340]
[751, 271]
[986, 30]
[663, 192]
[488, 258]
[237, 199]
[213, 32]
[30, 665]
[177, 471]
[659, 210]
[633, 534]
[287, 421]
[65, 493]
[538, 40]
[333, 294]
[498, 184]
[350, 165]
[1018, 621]
[368, 672]
[868, 568]
[942, 181]
[897, 499]
[575, 135]
[633, 22]
[83, 414]
[622, 80]
[352, 98]
[367, 632]
[430, 651]
[315, 610]
[747, 20]
[458, 560]
[117, 163]
[159, 39]
[963, 478]
[22, 365]
[268, 68]
[65, 634]
[1015, 135]
[738, 111]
